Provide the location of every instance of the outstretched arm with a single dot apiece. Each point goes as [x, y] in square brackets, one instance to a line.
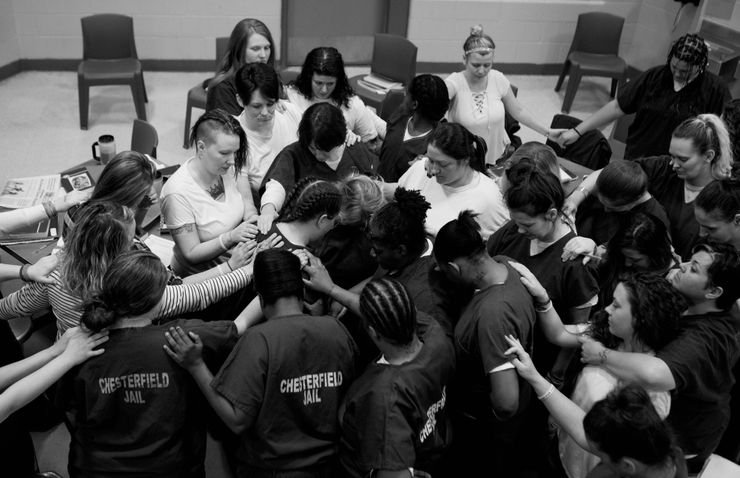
[566, 413]
[45, 368]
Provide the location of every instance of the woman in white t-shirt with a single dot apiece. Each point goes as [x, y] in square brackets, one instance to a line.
[268, 129]
[203, 208]
[452, 179]
[480, 96]
[323, 79]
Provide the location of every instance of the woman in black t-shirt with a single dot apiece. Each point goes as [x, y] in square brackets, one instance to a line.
[661, 98]
[700, 153]
[132, 411]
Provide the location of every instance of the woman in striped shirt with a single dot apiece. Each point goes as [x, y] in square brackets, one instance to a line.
[102, 232]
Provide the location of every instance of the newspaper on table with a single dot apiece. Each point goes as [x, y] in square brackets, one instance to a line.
[26, 192]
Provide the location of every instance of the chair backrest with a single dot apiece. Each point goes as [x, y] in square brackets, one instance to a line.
[394, 57]
[144, 138]
[108, 36]
[598, 32]
[222, 44]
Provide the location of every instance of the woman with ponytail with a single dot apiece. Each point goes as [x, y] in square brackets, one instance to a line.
[700, 152]
[395, 415]
[489, 403]
[132, 410]
[453, 177]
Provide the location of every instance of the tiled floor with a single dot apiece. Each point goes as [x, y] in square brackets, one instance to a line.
[39, 117]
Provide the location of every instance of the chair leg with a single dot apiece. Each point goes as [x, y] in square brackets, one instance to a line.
[570, 92]
[143, 89]
[83, 94]
[566, 67]
[188, 111]
[139, 103]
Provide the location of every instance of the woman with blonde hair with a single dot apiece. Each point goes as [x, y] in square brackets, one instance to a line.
[700, 153]
[479, 97]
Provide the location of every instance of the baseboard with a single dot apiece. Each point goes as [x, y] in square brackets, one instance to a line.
[12, 68]
[506, 68]
[54, 64]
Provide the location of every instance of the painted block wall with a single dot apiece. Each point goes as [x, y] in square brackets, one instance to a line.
[164, 29]
[10, 50]
[525, 31]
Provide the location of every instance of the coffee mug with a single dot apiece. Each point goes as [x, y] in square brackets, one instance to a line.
[107, 146]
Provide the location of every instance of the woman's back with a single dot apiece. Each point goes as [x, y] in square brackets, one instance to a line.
[135, 411]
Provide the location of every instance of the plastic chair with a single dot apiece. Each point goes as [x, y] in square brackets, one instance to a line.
[394, 59]
[109, 58]
[144, 138]
[197, 94]
[594, 52]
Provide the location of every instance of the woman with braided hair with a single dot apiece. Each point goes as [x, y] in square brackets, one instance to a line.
[394, 416]
[424, 106]
[403, 252]
[311, 210]
[453, 178]
[661, 98]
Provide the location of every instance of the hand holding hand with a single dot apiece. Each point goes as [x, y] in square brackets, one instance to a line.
[555, 134]
[592, 351]
[521, 360]
[72, 198]
[41, 271]
[185, 349]
[351, 138]
[318, 277]
[81, 345]
[534, 287]
[579, 246]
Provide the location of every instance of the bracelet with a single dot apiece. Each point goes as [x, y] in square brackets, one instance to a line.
[549, 392]
[584, 191]
[23, 273]
[49, 209]
[230, 268]
[603, 354]
[221, 241]
[577, 132]
[543, 307]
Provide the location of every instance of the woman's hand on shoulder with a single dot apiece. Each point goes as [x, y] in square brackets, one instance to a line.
[185, 348]
[80, 345]
[42, 269]
[243, 232]
[531, 283]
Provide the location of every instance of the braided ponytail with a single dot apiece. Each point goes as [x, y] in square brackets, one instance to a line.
[311, 197]
[386, 306]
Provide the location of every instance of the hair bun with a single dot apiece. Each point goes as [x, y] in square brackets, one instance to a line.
[476, 30]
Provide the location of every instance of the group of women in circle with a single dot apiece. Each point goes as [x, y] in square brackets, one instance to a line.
[444, 279]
